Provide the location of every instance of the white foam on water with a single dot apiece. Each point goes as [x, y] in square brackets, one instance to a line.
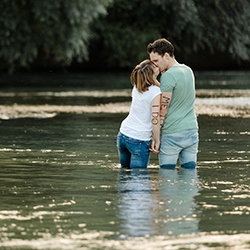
[27, 115]
[224, 101]
[224, 161]
[6, 149]
[16, 215]
[99, 240]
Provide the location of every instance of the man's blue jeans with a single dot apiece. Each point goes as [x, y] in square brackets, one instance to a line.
[133, 153]
[182, 145]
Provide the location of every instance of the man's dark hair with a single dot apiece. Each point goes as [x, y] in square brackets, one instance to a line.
[161, 46]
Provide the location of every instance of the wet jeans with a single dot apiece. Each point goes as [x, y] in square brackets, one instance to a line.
[182, 145]
[133, 153]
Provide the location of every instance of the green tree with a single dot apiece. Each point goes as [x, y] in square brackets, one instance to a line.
[225, 27]
[55, 30]
[193, 26]
[122, 36]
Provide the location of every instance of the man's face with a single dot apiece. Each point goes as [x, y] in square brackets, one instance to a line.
[160, 61]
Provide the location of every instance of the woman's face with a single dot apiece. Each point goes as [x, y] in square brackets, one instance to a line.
[156, 70]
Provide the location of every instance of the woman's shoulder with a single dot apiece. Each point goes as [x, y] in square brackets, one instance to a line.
[154, 88]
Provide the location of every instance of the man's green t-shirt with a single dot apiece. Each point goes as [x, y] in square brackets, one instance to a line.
[181, 114]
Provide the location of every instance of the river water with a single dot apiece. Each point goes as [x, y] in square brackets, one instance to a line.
[61, 186]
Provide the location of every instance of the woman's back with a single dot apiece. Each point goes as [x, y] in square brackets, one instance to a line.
[138, 123]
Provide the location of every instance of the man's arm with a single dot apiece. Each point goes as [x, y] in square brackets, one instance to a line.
[165, 101]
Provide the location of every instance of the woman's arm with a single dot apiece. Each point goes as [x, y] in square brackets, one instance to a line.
[155, 120]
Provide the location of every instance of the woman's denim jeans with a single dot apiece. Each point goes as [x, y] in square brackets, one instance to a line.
[133, 153]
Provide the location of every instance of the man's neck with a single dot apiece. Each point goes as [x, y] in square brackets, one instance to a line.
[173, 62]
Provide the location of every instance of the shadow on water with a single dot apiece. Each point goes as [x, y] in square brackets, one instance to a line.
[110, 80]
[63, 82]
[53, 100]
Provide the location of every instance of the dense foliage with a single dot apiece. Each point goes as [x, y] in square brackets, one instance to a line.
[57, 30]
[60, 31]
[193, 26]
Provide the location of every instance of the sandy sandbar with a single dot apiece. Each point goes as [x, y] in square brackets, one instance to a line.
[48, 111]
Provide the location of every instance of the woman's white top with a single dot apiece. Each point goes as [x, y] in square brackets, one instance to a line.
[138, 123]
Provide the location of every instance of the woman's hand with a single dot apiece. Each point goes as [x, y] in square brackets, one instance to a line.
[155, 146]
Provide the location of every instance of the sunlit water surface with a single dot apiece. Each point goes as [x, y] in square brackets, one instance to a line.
[61, 185]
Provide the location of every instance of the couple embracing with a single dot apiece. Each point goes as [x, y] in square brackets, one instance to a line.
[162, 117]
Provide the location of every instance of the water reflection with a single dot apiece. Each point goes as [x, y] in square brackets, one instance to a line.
[158, 202]
[136, 202]
[176, 194]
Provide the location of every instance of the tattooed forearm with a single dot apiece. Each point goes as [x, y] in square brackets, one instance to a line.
[155, 118]
[165, 102]
[162, 118]
[155, 114]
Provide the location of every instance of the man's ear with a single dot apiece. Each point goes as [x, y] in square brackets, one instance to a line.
[166, 55]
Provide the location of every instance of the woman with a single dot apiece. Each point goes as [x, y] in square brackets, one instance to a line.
[141, 128]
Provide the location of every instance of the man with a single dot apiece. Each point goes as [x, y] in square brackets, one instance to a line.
[179, 128]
